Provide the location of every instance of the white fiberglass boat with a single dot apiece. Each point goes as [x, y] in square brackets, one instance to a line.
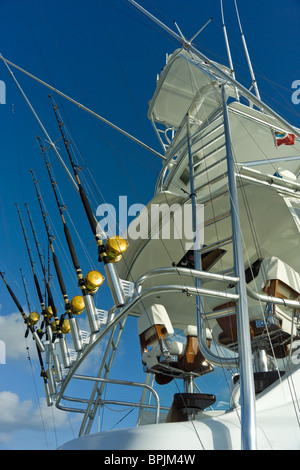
[209, 273]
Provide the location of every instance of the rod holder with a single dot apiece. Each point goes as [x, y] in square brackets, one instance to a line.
[114, 285]
[57, 367]
[91, 313]
[65, 353]
[39, 342]
[50, 337]
[51, 381]
[75, 334]
[48, 395]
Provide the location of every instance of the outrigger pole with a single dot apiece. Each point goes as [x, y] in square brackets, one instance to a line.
[254, 82]
[228, 49]
[39, 122]
[81, 106]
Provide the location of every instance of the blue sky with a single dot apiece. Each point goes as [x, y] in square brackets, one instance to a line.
[105, 55]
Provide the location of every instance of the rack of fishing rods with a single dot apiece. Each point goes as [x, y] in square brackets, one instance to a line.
[48, 329]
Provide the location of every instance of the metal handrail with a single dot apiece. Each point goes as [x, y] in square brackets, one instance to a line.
[125, 382]
[184, 271]
[140, 297]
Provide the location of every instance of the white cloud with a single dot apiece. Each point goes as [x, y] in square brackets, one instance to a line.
[17, 415]
[12, 331]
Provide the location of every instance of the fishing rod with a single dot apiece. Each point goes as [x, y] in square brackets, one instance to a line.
[82, 282]
[112, 250]
[33, 319]
[27, 322]
[33, 316]
[35, 278]
[51, 310]
[64, 325]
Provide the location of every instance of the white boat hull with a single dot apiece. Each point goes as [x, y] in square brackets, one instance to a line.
[277, 427]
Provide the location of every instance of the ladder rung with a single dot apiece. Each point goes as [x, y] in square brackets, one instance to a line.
[210, 154]
[217, 218]
[219, 313]
[213, 181]
[219, 243]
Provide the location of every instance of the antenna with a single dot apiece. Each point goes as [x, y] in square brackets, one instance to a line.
[200, 30]
[187, 42]
[254, 82]
[228, 49]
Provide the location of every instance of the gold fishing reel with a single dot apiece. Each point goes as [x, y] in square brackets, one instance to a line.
[65, 327]
[115, 247]
[93, 281]
[49, 312]
[77, 305]
[33, 318]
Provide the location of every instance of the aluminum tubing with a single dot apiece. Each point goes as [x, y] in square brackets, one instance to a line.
[48, 395]
[51, 384]
[50, 337]
[39, 342]
[114, 285]
[75, 334]
[91, 313]
[57, 367]
[65, 353]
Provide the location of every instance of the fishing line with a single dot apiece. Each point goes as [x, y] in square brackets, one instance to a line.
[256, 243]
[217, 98]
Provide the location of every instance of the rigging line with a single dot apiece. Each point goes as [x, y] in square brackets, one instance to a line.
[213, 210]
[98, 392]
[81, 106]
[111, 41]
[29, 358]
[262, 76]
[218, 71]
[256, 242]
[218, 348]
[65, 59]
[285, 360]
[17, 146]
[37, 395]
[38, 120]
[70, 218]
